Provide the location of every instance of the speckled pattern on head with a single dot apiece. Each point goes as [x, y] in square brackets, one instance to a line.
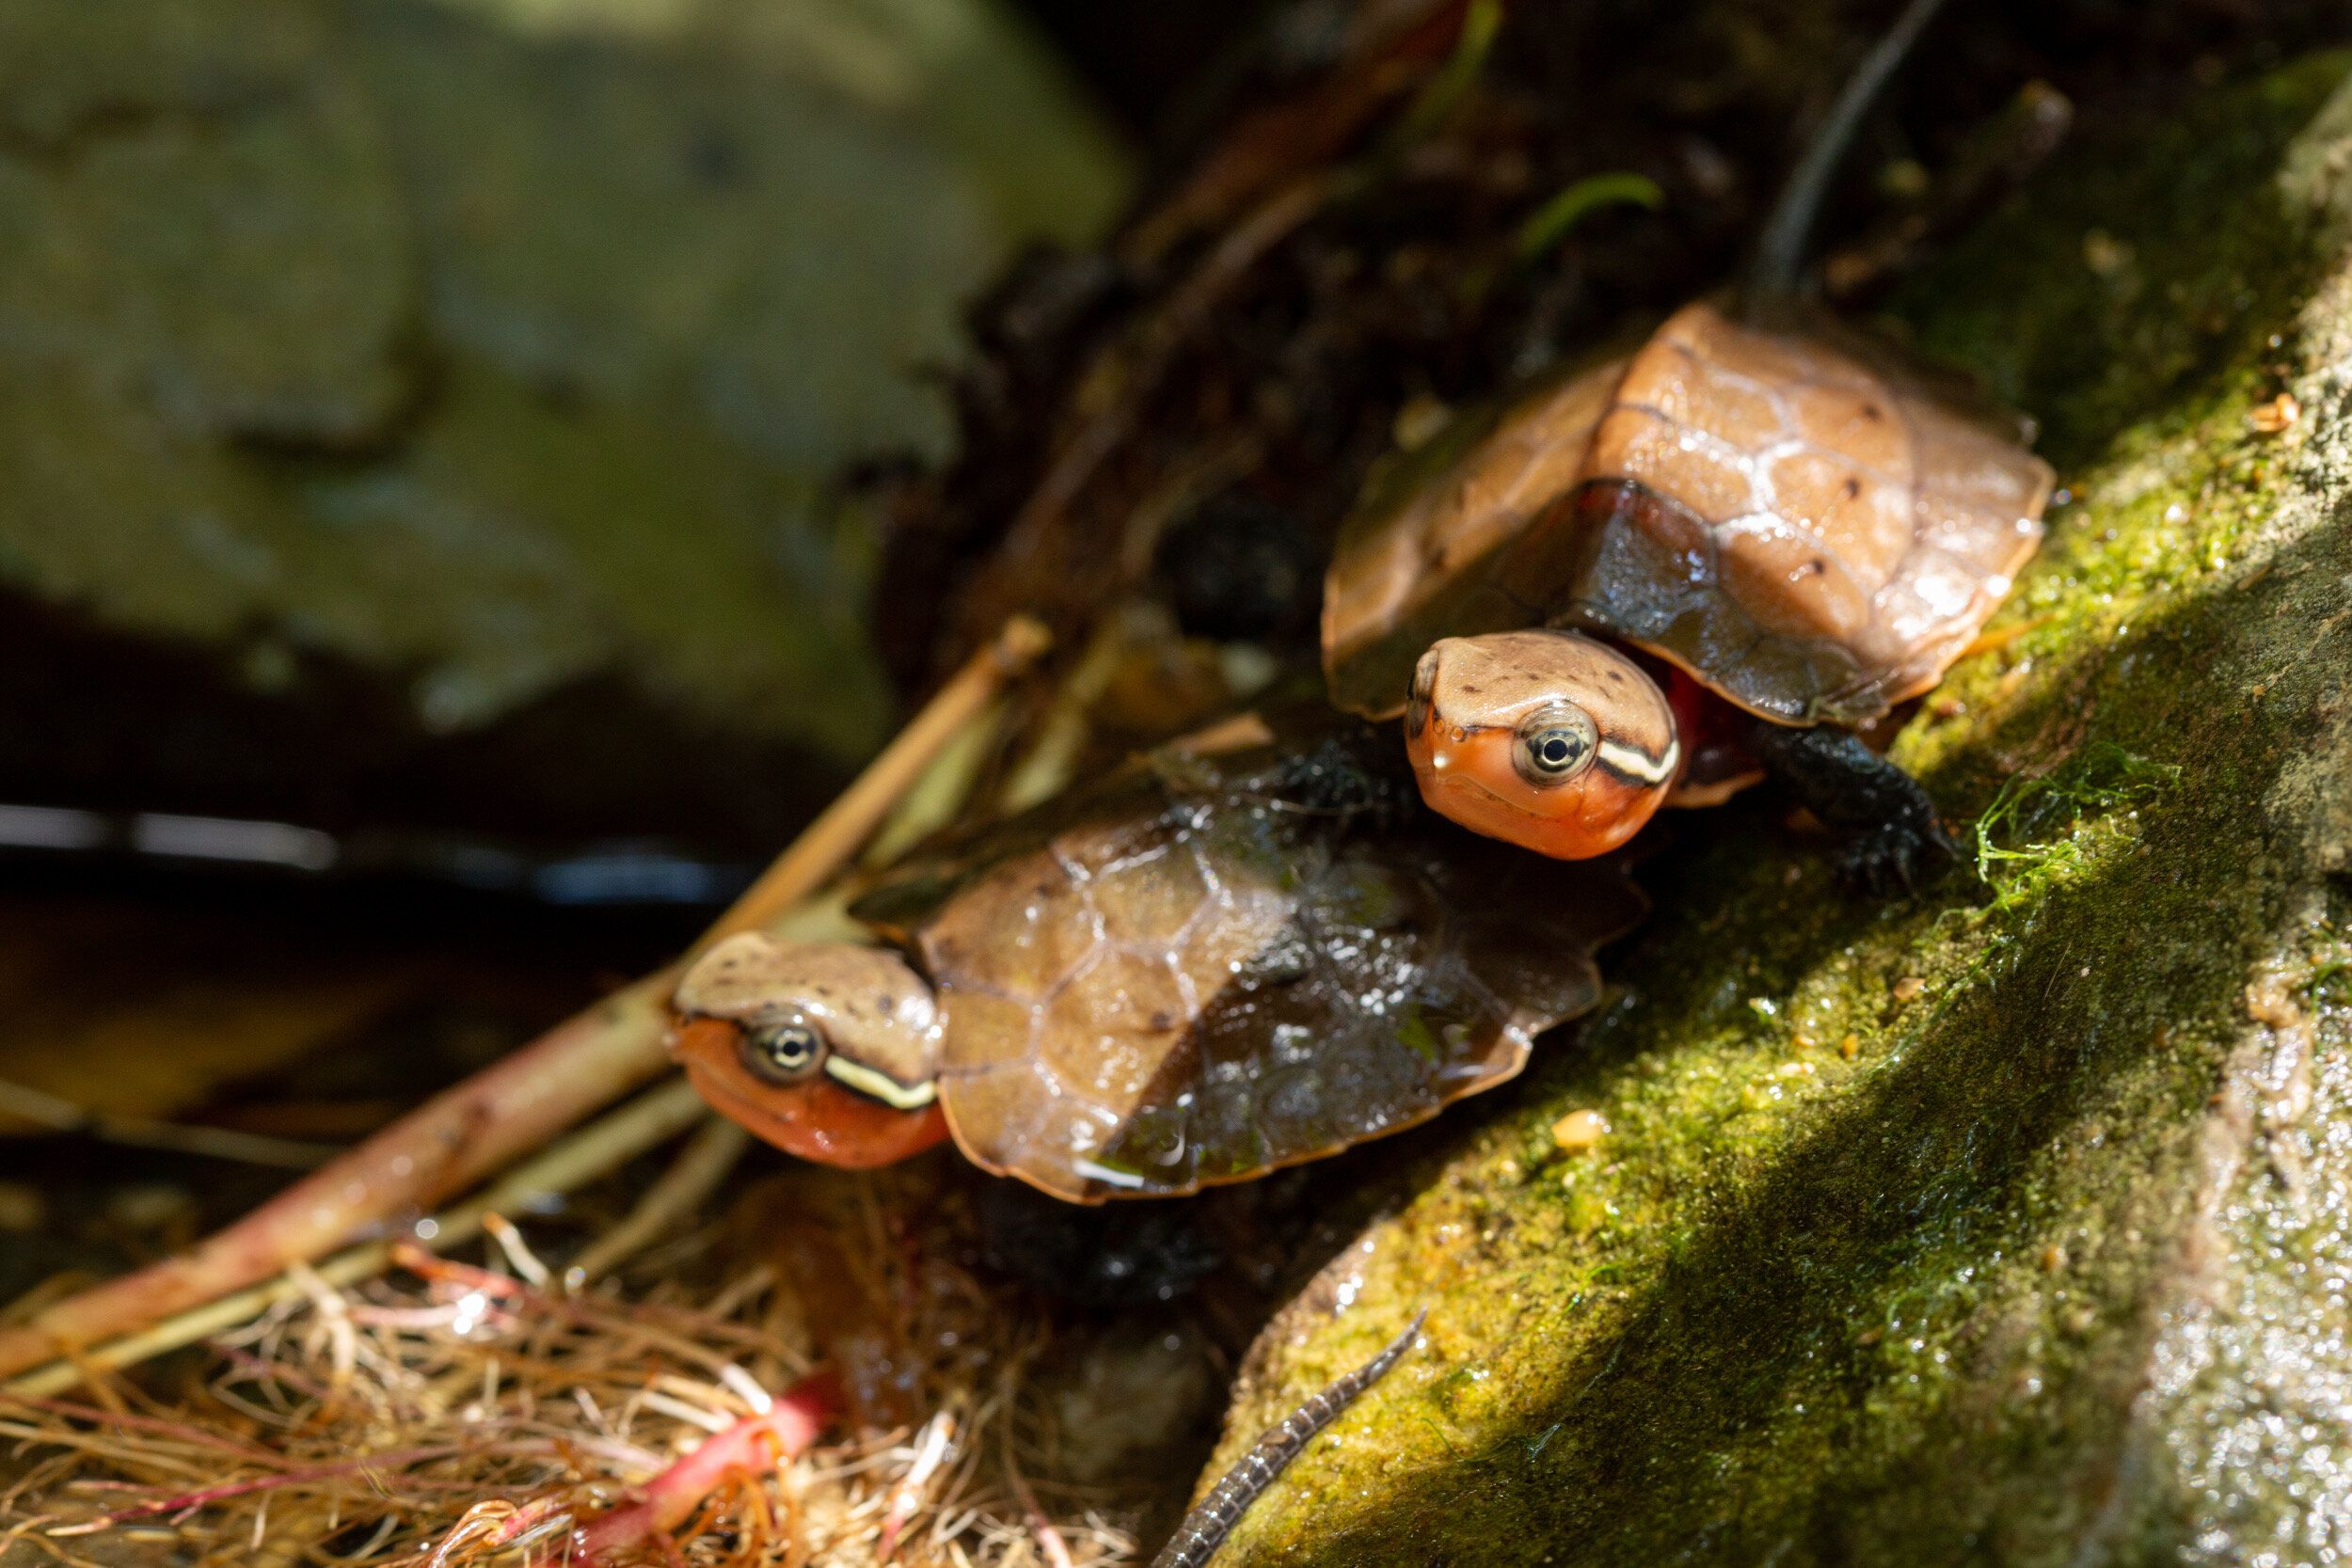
[1775, 505]
[865, 998]
[1481, 705]
[1201, 973]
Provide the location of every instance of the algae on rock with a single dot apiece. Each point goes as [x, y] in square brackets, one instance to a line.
[492, 348]
[2013, 1225]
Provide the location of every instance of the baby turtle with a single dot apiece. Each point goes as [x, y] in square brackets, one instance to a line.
[1662, 576]
[1207, 968]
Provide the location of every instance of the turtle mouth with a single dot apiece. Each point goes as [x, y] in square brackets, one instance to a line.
[820, 1119]
[1444, 766]
[1464, 783]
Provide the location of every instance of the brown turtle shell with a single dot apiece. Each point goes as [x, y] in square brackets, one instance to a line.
[1216, 967]
[1420, 557]
[1773, 503]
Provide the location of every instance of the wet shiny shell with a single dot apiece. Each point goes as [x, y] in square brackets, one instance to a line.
[1201, 977]
[1780, 507]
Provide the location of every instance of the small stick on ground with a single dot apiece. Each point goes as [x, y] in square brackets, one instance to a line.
[1050, 1545]
[930, 1451]
[834, 837]
[467, 1132]
[448, 1144]
[651, 1120]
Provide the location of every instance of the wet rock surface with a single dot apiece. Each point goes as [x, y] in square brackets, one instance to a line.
[475, 369]
[2007, 1225]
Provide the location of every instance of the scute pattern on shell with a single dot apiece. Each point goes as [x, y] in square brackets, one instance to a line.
[1778, 506]
[1416, 561]
[1815, 536]
[1199, 979]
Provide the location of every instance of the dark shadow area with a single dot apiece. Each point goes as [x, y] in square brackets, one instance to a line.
[1769, 1327]
[96, 717]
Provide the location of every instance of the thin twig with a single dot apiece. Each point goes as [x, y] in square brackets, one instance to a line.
[59, 1114]
[838, 830]
[645, 1122]
[448, 1145]
[1050, 1544]
[364, 1464]
[682, 1189]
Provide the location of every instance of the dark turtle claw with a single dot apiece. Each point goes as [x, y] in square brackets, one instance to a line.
[1892, 839]
[1893, 857]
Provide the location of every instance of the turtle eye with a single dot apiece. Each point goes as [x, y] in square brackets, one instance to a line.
[783, 1052]
[1554, 744]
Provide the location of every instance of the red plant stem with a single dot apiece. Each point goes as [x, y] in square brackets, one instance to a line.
[448, 1270]
[1049, 1542]
[751, 1446]
[448, 1144]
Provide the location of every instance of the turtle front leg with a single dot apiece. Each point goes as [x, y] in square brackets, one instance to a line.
[1890, 834]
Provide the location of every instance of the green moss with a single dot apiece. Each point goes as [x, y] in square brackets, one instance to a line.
[1922, 1232]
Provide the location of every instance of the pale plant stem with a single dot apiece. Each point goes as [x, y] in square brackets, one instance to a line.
[697, 1172]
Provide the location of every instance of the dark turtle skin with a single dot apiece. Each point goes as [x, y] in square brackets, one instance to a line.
[1205, 968]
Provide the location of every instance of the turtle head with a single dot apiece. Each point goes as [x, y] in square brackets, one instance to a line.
[1546, 739]
[828, 1050]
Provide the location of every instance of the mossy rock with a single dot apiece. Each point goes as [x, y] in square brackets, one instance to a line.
[412, 363]
[2013, 1223]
